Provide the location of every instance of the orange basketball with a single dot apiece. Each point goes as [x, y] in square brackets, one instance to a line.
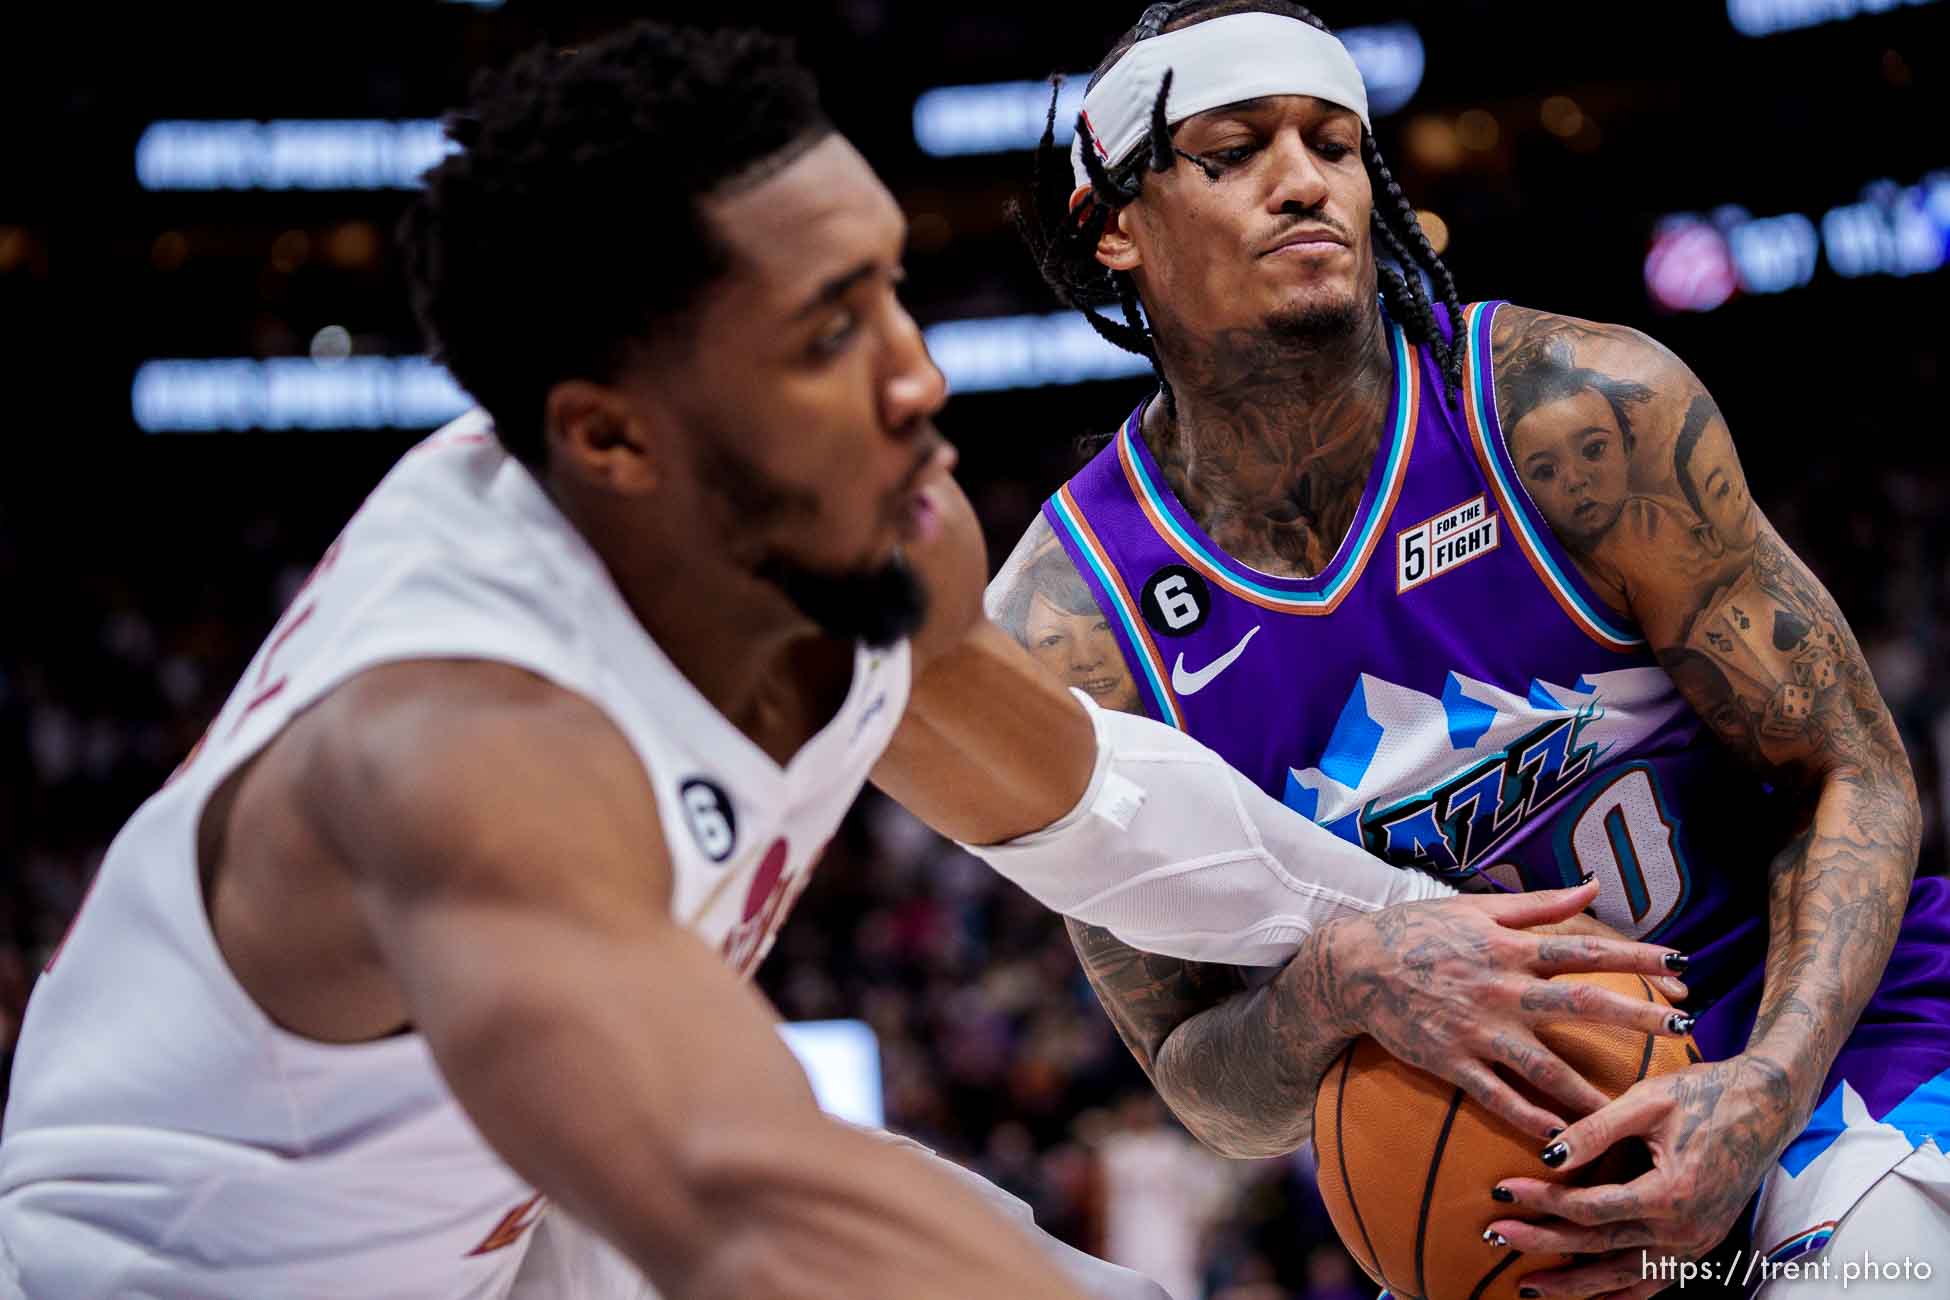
[1407, 1160]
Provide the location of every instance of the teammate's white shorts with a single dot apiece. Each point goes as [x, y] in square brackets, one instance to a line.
[1845, 1157]
[1893, 1244]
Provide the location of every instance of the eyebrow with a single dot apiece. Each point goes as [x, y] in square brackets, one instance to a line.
[837, 288]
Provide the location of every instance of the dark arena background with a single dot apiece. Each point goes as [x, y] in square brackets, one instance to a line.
[209, 358]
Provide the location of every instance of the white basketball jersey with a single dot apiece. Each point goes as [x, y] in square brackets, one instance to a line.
[164, 1138]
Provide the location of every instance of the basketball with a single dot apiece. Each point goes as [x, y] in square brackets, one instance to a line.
[1407, 1160]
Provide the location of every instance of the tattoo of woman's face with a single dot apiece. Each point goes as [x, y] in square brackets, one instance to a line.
[1081, 651]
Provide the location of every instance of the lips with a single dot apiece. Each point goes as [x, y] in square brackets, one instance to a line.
[1099, 685]
[1311, 240]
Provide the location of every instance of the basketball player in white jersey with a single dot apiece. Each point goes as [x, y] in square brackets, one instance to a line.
[441, 932]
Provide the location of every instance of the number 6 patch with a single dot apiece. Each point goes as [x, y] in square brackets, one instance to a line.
[708, 812]
[1175, 601]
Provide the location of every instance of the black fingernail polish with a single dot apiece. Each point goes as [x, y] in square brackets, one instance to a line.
[1503, 1194]
[1587, 877]
[1677, 962]
[1555, 1154]
[1529, 1292]
[1679, 1023]
[1553, 1133]
[1495, 1238]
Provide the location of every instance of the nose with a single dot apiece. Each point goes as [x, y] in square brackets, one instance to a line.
[914, 388]
[1301, 184]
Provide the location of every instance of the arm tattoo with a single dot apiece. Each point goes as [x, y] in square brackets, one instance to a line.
[1148, 996]
[1212, 1048]
[1630, 461]
[1239, 1066]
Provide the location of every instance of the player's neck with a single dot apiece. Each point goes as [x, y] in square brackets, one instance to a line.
[1274, 438]
[734, 637]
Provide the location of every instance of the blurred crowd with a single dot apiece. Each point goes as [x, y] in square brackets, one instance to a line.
[994, 1049]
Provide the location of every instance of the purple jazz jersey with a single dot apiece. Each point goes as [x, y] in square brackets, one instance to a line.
[1450, 694]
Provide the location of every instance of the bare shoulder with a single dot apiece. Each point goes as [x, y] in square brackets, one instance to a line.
[414, 789]
[1035, 557]
[1523, 336]
[1039, 598]
[463, 773]
[1622, 449]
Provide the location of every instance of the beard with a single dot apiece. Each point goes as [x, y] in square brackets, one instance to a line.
[1316, 322]
[878, 606]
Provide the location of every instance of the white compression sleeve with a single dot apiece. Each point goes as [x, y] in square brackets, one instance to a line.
[1174, 851]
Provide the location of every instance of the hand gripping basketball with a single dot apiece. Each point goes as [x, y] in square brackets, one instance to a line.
[1711, 1131]
[1418, 1180]
[1459, 987]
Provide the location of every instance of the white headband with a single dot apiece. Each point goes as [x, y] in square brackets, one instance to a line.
[1215, 63]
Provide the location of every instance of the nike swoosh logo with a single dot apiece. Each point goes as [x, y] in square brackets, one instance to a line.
[1192, 683]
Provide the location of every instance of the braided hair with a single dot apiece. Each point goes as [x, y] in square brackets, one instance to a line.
[1064, 244]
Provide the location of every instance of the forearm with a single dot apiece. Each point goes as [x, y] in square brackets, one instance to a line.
[1243, 1075]
[845, 1213]
[1239, 1066]
[1837, 894]
[990, 748]
[711, 1168]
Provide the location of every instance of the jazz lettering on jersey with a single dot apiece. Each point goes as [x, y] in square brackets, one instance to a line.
[1447, 542]
[1452, 829]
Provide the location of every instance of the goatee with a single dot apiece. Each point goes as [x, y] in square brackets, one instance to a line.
[1316, 323]
[877, 606]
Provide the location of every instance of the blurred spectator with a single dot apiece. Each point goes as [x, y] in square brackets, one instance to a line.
[1162, 1191]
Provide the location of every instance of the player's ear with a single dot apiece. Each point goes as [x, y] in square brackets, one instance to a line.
[595, 432]
[1115, 247]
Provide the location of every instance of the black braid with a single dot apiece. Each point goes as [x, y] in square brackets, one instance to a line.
[1408, 303]
[1064, 243]
[1397, 224]
[1162, 153]
[1418, 311]
[1127, 296]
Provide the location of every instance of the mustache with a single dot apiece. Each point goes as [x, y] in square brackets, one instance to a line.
[1311, 217]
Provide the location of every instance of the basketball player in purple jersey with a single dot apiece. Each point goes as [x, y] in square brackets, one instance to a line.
[1481, 590]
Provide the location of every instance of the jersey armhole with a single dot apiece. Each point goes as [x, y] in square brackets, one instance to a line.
[1098, 570]
[1535, 538]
